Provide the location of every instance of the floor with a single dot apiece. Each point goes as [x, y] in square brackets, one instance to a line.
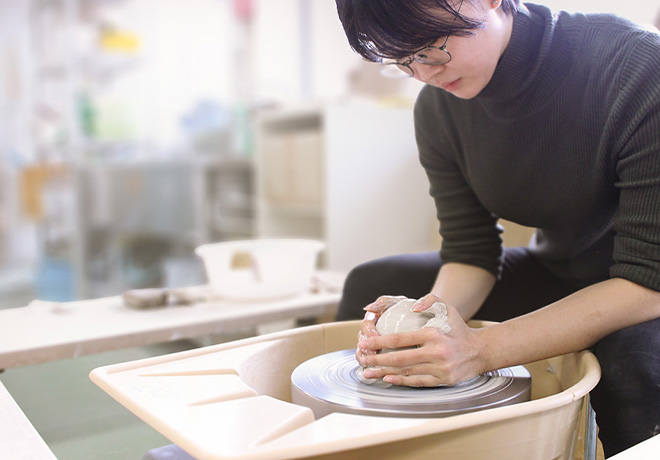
[78, 420]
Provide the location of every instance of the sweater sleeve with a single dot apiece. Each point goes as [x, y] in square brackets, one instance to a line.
[470, 233]
[637, 120]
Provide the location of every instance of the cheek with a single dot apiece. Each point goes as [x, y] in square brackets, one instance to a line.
[477, 70]
[478, 54]
[473, 80]
[468, 90]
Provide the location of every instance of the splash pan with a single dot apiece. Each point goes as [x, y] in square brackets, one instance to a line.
[233, 401]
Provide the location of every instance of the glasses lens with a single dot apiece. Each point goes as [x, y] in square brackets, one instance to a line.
[432, 56]
[393, 69]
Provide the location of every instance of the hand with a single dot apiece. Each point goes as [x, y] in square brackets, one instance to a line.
[436, 359]
[368, 325]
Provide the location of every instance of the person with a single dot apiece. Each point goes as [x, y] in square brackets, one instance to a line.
[551, 121]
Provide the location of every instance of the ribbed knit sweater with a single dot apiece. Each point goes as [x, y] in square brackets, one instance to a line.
[565, 138]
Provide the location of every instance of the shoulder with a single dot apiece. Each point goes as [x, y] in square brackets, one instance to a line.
[607, 34]
[642, 55]
[609, 48]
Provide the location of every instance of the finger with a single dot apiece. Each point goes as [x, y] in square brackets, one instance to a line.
[419, 374]
[368, 325]
[396, 340]
[413, 380]
[425, 378]
[406, 360]
[375, 372]
[423, 370]
[425, 302]
[363, 334]
[361, 354]
[383, 303]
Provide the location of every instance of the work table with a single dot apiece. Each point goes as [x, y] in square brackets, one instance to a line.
[48, 331]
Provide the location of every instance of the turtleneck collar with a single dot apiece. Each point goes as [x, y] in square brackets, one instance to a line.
[533, 65]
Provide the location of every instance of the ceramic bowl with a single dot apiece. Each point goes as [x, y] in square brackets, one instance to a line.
[275, 268]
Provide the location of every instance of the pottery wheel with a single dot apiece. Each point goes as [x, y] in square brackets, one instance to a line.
[328, 383]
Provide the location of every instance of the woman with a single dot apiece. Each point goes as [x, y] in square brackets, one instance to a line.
[550, 121]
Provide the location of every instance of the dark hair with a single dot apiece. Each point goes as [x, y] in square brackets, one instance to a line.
[397, 28]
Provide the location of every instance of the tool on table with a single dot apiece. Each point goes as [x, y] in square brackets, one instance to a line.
[141, 299]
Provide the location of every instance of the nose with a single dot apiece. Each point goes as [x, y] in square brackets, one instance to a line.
[424, 72]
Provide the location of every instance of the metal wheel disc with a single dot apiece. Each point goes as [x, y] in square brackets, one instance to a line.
[328, 383]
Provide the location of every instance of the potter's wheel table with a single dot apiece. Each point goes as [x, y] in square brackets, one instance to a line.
[232, 401]
[328, 383]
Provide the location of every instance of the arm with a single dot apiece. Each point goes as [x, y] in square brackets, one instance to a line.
[465, 287]
[571, 324]
[632, 294]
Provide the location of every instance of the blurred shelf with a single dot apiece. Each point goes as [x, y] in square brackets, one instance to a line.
[293, 209]
[233, 225]
[119, 186]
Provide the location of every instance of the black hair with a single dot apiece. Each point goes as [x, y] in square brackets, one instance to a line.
[378, 29]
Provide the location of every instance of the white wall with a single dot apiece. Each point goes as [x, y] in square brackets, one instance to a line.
[302, 54]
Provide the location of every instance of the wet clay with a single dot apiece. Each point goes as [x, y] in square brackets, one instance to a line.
[400, 318]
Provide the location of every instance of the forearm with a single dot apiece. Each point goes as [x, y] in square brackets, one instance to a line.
[572, 324]
[465, 287]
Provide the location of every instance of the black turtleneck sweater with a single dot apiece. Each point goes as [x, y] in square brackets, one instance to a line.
[565, 138]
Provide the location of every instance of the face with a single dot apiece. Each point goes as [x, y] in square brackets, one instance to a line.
[473, 58]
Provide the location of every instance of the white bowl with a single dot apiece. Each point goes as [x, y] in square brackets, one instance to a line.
[276, 268]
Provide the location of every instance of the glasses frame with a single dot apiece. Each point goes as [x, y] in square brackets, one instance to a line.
[404, 67]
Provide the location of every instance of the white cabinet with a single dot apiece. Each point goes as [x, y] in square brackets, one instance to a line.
[348, 175]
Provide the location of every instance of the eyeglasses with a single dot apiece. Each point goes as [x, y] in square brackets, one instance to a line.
[429, 55]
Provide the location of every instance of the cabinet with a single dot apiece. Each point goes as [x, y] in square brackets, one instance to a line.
[225, 199]
[347, 175]
[141, 221]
